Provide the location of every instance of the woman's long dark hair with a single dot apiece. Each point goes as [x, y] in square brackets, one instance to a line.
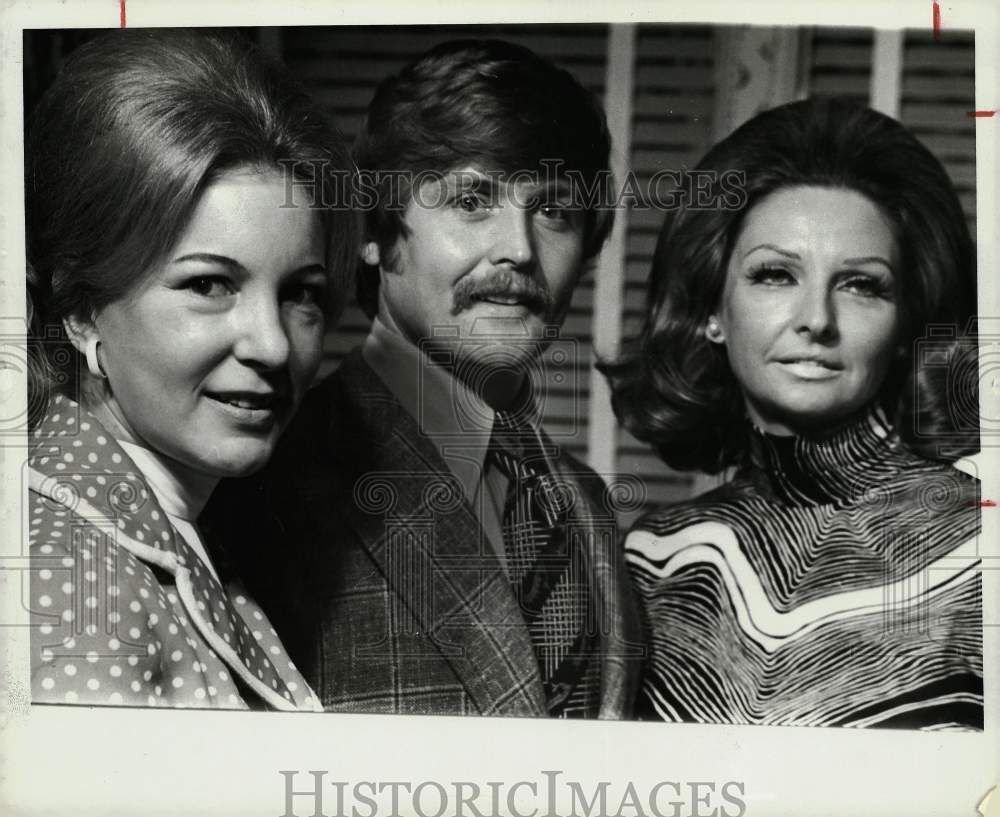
[118, 152]
[675, 390]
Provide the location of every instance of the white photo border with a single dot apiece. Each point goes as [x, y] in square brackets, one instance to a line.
[106, 761]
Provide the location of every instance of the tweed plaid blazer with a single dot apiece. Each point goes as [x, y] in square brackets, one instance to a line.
[369, 560]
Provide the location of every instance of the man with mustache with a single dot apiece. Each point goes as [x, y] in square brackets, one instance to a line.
[443, 555]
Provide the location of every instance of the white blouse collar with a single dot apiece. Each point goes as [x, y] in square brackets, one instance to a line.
[181, 492]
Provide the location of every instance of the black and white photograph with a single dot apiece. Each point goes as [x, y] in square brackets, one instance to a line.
[625, 384]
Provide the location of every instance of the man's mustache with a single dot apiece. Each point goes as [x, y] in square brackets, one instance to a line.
[502, 284]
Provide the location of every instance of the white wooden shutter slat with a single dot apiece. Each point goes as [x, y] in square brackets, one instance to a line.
[926, 56]
[855, 86]
[936, 116]
[841, 54]
[661, 78]
[650, 219]
[655, 141]
[948, 86]
[673, 44]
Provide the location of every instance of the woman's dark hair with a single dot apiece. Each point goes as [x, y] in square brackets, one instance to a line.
[675, 390]
[121, 146]
[488, 103]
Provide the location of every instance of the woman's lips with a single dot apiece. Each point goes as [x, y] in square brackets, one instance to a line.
[811, 368]
[257, 409]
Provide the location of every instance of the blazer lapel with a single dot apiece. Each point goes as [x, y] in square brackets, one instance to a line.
[594, 520]
[412, 517]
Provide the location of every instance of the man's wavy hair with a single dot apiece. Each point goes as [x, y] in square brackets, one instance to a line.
[119, 150]
[485, 103]
[675, 390]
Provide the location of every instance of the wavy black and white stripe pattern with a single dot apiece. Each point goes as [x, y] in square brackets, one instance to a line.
[831, 583]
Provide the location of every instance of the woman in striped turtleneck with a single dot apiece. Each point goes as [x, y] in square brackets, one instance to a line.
[806, 336]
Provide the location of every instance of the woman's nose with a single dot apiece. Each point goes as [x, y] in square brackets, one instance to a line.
[262, 339]
[816, 315]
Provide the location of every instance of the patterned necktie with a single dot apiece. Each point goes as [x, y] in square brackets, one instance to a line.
[548, 571]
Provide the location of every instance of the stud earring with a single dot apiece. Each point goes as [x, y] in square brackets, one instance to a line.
[90, 352]
[713, 331]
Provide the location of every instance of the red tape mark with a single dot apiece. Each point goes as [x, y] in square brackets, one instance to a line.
[987, 503]
[937, 21]
[122, 5]
[981, 114]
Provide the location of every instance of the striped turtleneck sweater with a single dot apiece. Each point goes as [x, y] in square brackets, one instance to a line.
[834, 581]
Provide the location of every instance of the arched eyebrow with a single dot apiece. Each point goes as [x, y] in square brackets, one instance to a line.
[211, 258]
[869, 259]
[794, 256]
[854, 262]
[236, 267]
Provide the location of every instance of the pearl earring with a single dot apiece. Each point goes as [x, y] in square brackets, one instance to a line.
[90, 352]
[713, 331]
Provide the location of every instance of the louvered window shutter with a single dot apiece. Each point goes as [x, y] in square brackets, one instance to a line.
[672, 129]
[841, 63]
[938, 92]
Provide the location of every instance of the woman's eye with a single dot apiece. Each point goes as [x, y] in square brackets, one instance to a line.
[867, 286]
[210, 286]
[774, 276]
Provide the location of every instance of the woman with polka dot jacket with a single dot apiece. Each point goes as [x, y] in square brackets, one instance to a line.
[179, 287]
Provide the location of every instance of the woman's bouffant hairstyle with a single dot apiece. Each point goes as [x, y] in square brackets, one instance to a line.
[674, 389]
[120, 148]
[488, 103]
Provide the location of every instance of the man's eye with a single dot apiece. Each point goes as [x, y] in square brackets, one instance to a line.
[210, 286]
[556, 212]
[470, 202]
[307, 294]
[559, 214]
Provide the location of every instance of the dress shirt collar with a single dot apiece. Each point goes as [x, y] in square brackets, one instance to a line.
[457, 421]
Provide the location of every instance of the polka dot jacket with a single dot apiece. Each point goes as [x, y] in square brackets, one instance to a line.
[123, 612]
